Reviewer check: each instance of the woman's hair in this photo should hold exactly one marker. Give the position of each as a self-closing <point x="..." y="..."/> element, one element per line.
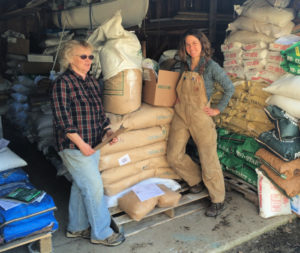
<point x="206" y="47"/>
<point x="67" y="52"/>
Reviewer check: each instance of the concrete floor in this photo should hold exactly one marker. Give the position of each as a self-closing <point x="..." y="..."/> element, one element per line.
<point x="240" y="221"/>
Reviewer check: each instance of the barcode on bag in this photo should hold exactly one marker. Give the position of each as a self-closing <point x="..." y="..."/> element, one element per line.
<point x="124" y="160"/>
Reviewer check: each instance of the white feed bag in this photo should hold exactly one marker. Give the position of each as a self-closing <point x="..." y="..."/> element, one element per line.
<point x="271" y="201"/>
<point x="290" y="105"/>
<point x="264" y="12"/>
<point x="10" y="160"/>
<point x="255" y="46"/>
<point x="248" y="37"/>
<point x="252" y="25"/>
<point x="287" y="86"/>
<point x="231" y="46"/>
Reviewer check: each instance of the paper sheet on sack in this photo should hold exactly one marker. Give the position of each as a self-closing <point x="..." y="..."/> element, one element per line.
<point x="144" y="192"/>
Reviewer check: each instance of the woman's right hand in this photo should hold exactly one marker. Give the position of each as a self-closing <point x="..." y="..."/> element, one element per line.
<point x="86" y="149"/>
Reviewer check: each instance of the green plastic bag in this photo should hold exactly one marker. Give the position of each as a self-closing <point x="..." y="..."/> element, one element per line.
<point x="292" y="54"/>
<point x="290" y="67"/>
<point x="237" y="167"/>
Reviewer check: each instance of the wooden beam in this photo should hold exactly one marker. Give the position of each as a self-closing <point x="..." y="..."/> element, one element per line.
<point x="212" y="19"/>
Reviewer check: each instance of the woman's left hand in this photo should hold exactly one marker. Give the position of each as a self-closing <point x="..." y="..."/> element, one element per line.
<point x="109" y="133"/>
<point x="211" y="111"/>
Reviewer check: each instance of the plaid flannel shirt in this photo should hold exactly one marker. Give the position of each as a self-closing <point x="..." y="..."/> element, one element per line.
<point x="77" y="108"/>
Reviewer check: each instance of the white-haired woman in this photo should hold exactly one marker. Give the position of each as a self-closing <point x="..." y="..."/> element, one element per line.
<point x="80" y="124"/>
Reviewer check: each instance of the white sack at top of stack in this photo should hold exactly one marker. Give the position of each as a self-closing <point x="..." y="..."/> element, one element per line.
<point x="119" y="58"/>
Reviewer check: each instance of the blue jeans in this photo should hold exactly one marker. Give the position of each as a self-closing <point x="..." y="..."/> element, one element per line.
<point x="86" y="206"/>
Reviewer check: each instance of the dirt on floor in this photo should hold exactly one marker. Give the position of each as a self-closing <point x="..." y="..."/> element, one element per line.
<point x="285" y="239"/>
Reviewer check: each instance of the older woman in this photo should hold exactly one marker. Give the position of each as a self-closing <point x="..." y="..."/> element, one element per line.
<point x="80" y="124"/>
<point x="193" y="117"/>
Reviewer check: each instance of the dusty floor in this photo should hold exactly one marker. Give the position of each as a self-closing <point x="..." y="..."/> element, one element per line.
<point x="42" y="173"/>
<point x="285" y="239"/>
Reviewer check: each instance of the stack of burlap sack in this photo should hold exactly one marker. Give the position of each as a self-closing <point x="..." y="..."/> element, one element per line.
<point x="140" y="152"/>
<point x="245" y="111"/>
<point x="251" y="51"/>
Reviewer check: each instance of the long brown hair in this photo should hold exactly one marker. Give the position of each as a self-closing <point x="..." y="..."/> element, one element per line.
<point x="206" y="47"/>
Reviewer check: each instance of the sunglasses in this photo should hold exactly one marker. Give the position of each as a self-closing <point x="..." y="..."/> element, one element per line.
<point x="84" y="56"/>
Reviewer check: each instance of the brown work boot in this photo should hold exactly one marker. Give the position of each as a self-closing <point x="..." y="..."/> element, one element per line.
<point x="197" y="188"/>
<point x="86" y="234"/>
<point x="114" y="240"/>
<point x="215" y="209"/>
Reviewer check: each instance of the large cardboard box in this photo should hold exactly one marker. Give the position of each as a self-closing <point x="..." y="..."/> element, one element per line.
<point x="160" y="92"/>
<point x="17" y="46"/>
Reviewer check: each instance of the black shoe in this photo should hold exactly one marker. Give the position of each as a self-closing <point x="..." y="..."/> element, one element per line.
<point x="114" y="240"/>
<point x="197" y="188"/>
<point x="215" y="209"/>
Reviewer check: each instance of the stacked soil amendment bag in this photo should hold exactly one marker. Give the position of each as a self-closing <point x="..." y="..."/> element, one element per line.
<point x="236" y="155"/>
<point x="140" y="152"/>
<point x="247" y="50"/>
<point x="280" y="158"/>
<point x="20" y="216"/>
<point x="245" y="111"/>
<point x="119" y="59"/>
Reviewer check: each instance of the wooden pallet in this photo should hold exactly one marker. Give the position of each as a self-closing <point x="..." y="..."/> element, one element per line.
<point x="249" y="191"/>
<point x="45" y="241"/>
<point x="188" y="204"/>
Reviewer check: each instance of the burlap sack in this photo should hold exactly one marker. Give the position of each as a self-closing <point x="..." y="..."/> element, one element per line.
<point x="145" y="116"/>
<point x="258" y="115"/>
<point x="114" y="188"/>
<point x="118" y="173"/>
<point x="291" y="187"/>
<point x="136" y="209"/>
<point x="132" y="155"/>
<point x="137" y="138"/>
<point x="256" y="128"/>
<point x="288" y="169"/>
<point x="169" y="199"/>
<point x="123" y="92"/>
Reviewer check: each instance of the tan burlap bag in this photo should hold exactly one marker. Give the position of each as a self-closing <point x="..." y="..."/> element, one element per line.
<point x="169" y="199"/>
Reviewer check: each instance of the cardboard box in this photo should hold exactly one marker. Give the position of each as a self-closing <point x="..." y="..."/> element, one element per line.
<point x="17" y="46"/>
<point x="161" y="92"/>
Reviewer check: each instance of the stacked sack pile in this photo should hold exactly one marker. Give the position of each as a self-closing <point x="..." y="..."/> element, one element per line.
<point x="237" y="155"/>
<point x="27" y="217"/>
<point x="248" y="50"/>
<point x="280" y="158"/>
<point x="254" y="59"/>
<point x="245" y="111"/>
<point x="140" y="153"/>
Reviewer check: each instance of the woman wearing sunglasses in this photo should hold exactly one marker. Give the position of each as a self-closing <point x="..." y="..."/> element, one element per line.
<point x="80" y="124"/>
